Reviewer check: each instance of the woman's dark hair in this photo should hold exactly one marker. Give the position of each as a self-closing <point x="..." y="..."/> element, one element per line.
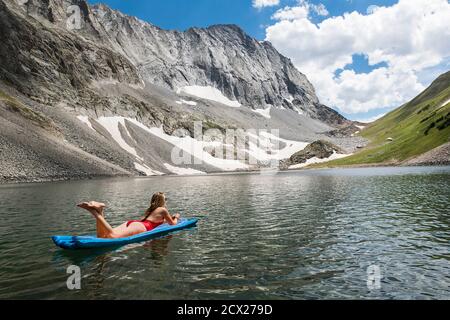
<point x="158" y="201"/>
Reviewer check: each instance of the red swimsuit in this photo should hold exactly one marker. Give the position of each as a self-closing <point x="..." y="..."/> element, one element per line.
<point x="149" y="225"/>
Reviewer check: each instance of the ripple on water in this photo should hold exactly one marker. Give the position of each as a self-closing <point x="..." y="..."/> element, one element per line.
<point x="296" y="235"/>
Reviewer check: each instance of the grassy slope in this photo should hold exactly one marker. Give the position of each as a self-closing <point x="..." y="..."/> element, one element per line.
<point x="407" y="126"/>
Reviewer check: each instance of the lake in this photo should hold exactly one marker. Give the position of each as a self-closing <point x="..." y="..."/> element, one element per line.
<point x="316" y="234"/>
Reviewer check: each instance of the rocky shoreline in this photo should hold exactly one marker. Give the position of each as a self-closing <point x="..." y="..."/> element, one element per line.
<point x="25" y="180"/>
<point x="439" y="156"/>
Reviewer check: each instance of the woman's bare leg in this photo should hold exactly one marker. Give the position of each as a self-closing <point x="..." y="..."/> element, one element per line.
<point x="101" y="229"/>
<point x="104" y="229"/>
<point x="124" y="231"/>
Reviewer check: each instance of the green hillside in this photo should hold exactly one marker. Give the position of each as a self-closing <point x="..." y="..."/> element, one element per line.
<point x="416" y="127"/>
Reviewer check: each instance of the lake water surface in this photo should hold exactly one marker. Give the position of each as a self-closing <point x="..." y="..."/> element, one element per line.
<point x="294" y="235"/>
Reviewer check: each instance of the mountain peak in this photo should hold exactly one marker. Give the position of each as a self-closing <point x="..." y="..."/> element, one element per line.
<point x="233" y="27"/>
<point x="221" y="56"/>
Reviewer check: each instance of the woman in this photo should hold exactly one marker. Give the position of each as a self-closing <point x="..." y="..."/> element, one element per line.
<point x="155" y="216"/>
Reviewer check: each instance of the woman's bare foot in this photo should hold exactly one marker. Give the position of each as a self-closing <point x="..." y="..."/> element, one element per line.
<point x="93" y="207"/>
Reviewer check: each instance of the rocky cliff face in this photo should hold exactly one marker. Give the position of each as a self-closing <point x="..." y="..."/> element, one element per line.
<point x="221" y="56"/>
<point x="45" y="62"/>
<point x="107" y="87"/>
<point x="127" y="49"/>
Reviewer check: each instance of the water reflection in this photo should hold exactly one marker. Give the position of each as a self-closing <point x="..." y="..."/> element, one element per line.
<point x="295" y="235"/>
<point x="156" y="249"/>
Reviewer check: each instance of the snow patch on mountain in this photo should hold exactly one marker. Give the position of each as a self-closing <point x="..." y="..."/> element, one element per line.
<point x="111" y="124"/>
<point x="147" y="170"/>
<point x="190" y="103"/>
<point x="208" y="93"/>
<point x="85" y="120"/>
<point x="263" y="146"/>
<point x="183" y="171"/>
<point x="263" y="112"/>
<point x="194" y="147"/>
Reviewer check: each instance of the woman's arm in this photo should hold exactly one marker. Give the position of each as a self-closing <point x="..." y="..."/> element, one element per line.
<point x="172" y="220"/>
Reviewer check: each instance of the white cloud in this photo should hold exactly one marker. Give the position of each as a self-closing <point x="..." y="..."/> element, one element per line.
<point x="265" y="3"/>
<point x="301" y="11"/>
<point x="371" y="9"/>
<point x="355" y="93"/>
<point x="289" y="13"/>
<point x="409" y="37"/>
<point x="320" y="9"/>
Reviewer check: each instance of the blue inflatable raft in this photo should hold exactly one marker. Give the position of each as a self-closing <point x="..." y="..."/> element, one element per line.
<point x="92" y="242"/>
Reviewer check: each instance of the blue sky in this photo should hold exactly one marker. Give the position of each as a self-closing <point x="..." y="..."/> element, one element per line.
<point x="183" y="14"/>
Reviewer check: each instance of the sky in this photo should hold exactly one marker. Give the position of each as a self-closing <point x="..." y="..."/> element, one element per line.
<point x="364" y="57"/>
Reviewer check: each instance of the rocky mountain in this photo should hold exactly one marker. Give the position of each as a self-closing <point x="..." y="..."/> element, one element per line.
<point x="222" y="56"/>
<point x="116" y="91"/>
<point x="317" y="150"/>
